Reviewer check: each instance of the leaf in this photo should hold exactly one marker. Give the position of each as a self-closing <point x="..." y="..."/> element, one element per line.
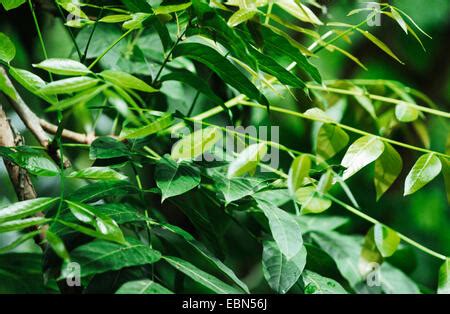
<point x="34" y="161"/>
<point x="387" y="169"/>
<point x="18" y="241"/>
<point x="365" y="102"/>
<point x="222" y="67"/>
<point x="386" y="240"/>
<point x="370" y="258"/>
<point x="26" y="208"/>
<point x="395" y="281"/>
<point x="81" y="98"/>
<point x="317" y="284"/>
<point x="102" y="223"/>
<point x="397" y="17"/>
<point x="175" y="178"/>
<point x="241" y="16"/>
<point x="144" y="286"/>
<point x="30" y="81"/>
<point x="446" y="174"/>
<point x="97" y="173"/>
<point x="22" y="224"/>
<point x="444" y="278"/>
<point x="300" y="11"/>
<point x="160" y="124"/>
<point x="96" y="191"/>
<point x="285" y="230"/>
<point x="312" y="202"/>
<point x="379" y="43"/>
<point x="298" y="171"/>
<point x="63" y="67"/>
<point x="126" y="81"/>
<point x="57" y="245"/>
<point x="12" y="4"/>
<point x="196" y="143"/>
<point x="7" y="48"/>
<point x="280" y="273"/>
<point x="247" y="160"/>
<point x="362" y="152"/>
<point x="200" y="276"/>
<point x="107" y="147"/>
<point x="101" y="256"/>
<point x="405" y="113"/>
<point x="168" y="9"/>
<point x="116" y="18"/>
<point x="426" y="168"/>
<point x="70" y="85"/>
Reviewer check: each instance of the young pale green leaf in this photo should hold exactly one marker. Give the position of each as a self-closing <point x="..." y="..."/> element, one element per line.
<point x="198" y="275"/>
<point x="444" y="278"/>
<point x="331" y="139"/>
<point x="426" y="168"/>
<point x="399" y="19"/>
<point x="370" y="256"/>
<point x="285" y="230"/>
<point x="63" y="67"/>
<point x="364" y="101"/>
<point x="15" y="225"/>
<point x="222" y="67"/>
<point x="154" y="127"/>
<point x="12" y="4"/>
<point x="325" y="182"/>
<point x="386" y="240"/>
<point x="174" y="178"/>
<point x="144" y="286"/>
<point x="298" y="172"/>
<point x="299" y="11"/>
<point x="280" y="273"/>
<point x="102" y="223"/>
<point x="70" y="85"/>
<point x="387" y="169"/>
<point x="317" y="284"/>
<point x="26" y="208"/>
<point x="102" y="256"/>
<point x="379" y="43"/>
<point x="311" y="200"/>
<point x="405" y="113"/>
<point x="195" y="144"/>
<point x="97" y="173"/>
<point x="116" y="18"/>
<point x="362" y="152"/>
<point x="73" y="7"/>
<point x="247" y="160"/>
<point x="34" y="161"/>
<point x="137" y="20"/>
<point x="168" y="9"/>
<point x="7" y="48"/>
<point x="127" y="81"/>
<point x="241" y="16"/>
<point x="57" y="245"/>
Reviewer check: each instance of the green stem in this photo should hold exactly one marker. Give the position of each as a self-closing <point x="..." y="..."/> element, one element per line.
<point x="109" y="48"/>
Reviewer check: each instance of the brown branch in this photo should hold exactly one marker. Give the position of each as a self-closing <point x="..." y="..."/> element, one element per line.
<point x="19" y="177"/>
<point x="67" y="134"/>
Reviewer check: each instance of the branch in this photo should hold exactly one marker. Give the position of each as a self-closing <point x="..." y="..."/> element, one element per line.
<point x="67" y="134"/>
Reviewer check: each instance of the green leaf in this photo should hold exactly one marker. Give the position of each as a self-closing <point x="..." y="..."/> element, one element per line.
<point x="34" y="161"/>
<point x="144" y="286"/>
<point x="63" y="67"/>
<point x="364" y="101"/>
<point x="370" y="258"/>
<point x="298" y="171"/>
<point x="222" y="67"/>
<point x="26" y="208"/>
<point x="446" y="173"/>
<point x="200" y="276"/>
<point x="379" y="43"/>
<point x="116" y="18"/>
<point x="12" y="4"/>
<point x="311" y="200"/>
<point x="444" y="278"/>
<point x="362" y="152"/>
<point x="317" y="284"/>
<point x="81" y="98"/>
<point x="70" y="85"/>
<point x="241" y="16"/>
<point x="299" y="11"/>
<point x="405" y="113"/>
<point x="386" y="240"/>
<point x="247" y="160"/>
<point x="426" y="168"/>
<point x="126" y="81"/>
<point x="285" y="230"/>
<point x="154" y="127"/>
<point x="168" y="9"/>
<point x="102" y="223"/>
<point x="96" y="191"/>
<point x="387" y="169"/>
<point x="97" y="173"/>
<point x="57" y="245"/>
<point x="22" y="224"/>
<point x="196" y="143"/>
<point x="107" y="147"/>
<point x="175" y="178"/>
<point x="7" y="48"/>
<point x="101" y="256"/>
<point x="399" y="19"/>
<point x="18" y="241"/>
<point x="281" y="273"/>
<point x="395" y="281"/>
<point x="30" y="81"/>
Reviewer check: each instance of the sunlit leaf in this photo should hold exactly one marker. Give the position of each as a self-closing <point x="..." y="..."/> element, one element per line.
<point x="426" y="168"/>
